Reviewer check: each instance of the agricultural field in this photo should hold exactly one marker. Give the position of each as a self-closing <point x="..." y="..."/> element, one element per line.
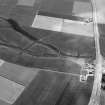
<point x="44" y="45"/>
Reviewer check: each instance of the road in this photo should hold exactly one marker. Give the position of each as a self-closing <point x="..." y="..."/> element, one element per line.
<point x="96" y="93"/>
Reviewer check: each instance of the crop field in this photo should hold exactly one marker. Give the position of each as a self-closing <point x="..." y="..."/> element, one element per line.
<point x="37" y="49"/>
